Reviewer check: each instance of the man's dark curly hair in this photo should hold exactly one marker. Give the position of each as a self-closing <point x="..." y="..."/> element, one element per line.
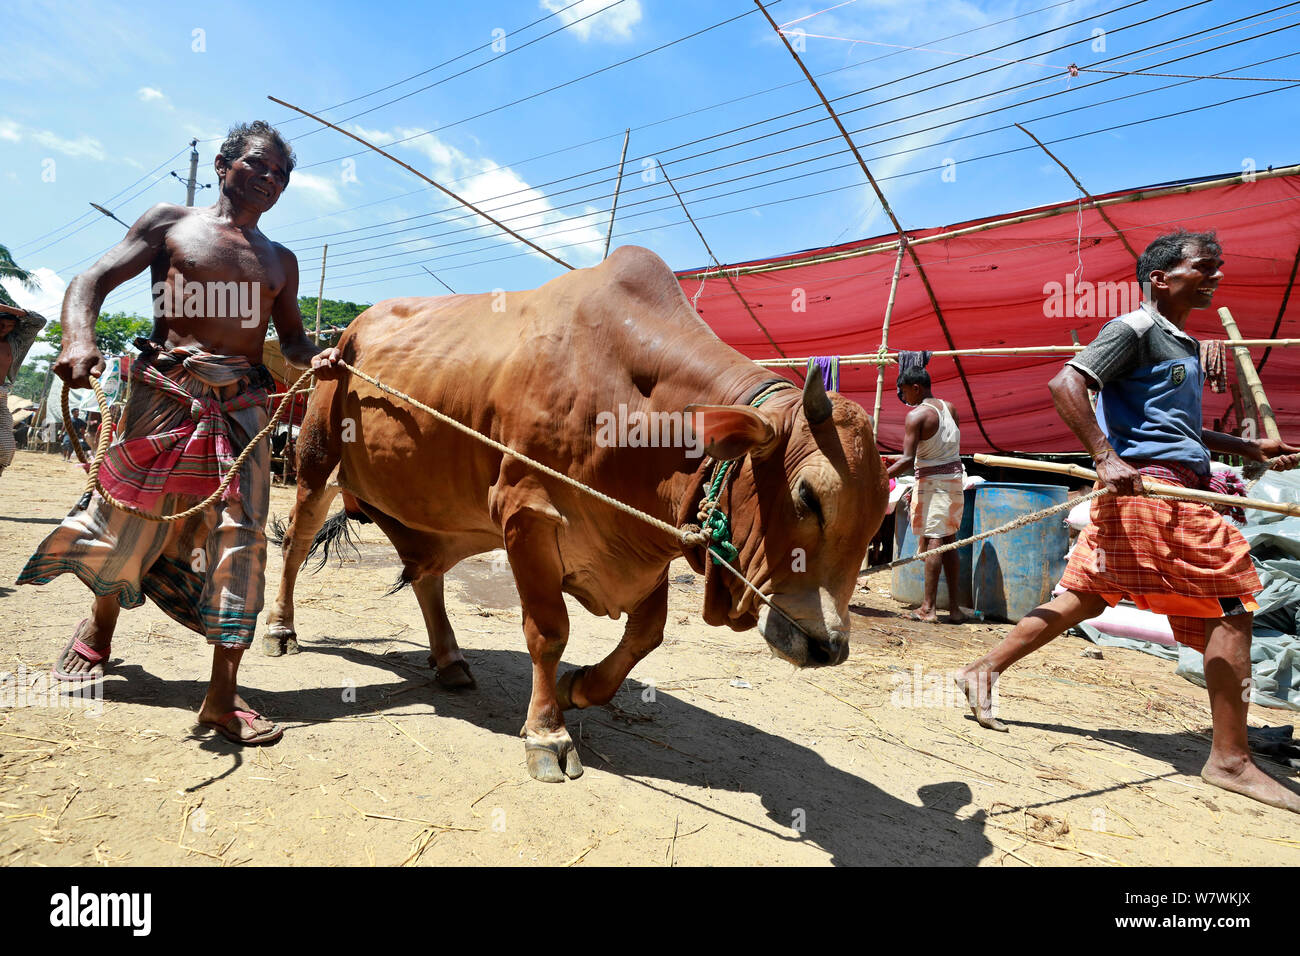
<point x="1168" y="250"/>
<point x="238" y="137"/>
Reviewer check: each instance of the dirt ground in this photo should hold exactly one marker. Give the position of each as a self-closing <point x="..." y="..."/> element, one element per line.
<point x="714" y="751"/>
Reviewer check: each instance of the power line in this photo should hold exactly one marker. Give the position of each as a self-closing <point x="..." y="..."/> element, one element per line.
<point x="105" y="203"/>
<point x="560" y="86"/>
<point x="822" y="119"/>
<point x="903" y="175"/>
<point x="588" y="200"/>
<point x="659" y="122"/>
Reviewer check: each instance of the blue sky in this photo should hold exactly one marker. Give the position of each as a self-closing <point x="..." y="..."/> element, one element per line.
<point x="97" y="95"/>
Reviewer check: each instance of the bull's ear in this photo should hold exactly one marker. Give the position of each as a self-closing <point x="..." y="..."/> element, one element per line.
<point x="731" y="431"/>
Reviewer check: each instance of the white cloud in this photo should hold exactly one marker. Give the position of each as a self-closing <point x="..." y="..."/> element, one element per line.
<point x="321" y="187"/>
<point x="86" y="146"/>
<point x="149" y="94"/>
<point x="478" y="179"/>
<point x="47" y="300"/>
<point x="613" y="25"/>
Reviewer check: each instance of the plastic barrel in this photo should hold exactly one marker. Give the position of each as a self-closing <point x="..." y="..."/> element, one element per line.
<point x="908" y="582"/>
<point x="1015" y="572"/>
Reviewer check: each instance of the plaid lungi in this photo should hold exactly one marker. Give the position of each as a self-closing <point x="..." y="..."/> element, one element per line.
<point x="207" y="572"/>
<point x="6" y="431"/>
<point x="1178" y="558"/>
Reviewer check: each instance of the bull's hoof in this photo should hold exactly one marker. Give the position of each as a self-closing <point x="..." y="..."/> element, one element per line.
<point x="564" y="687"/>
<point x="280" y="640"/>
<point x="553" y="758"/>
<point x="455" y="676"/>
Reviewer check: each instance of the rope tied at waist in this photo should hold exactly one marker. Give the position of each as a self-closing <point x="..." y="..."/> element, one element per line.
<point x="192" y="447"/>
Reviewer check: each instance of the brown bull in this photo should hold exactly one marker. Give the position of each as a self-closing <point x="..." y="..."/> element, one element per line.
<point x="549" y="375"/>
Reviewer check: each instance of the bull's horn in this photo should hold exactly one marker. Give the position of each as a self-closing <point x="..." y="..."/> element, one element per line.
<point x="816" y="406"/>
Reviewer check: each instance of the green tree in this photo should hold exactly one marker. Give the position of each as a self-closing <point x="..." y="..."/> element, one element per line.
<point x="11" y="270"/>
<point x="334" y="313"/>
<point x="113" y="333"/>
<point x="29" y="382"/>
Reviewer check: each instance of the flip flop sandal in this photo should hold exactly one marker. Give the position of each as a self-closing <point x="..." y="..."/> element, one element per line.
<point x="87" y="653"/>
<point x="247" y="716"/>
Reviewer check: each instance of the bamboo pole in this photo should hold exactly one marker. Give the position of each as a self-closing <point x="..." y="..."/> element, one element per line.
<point x="320" y="290"/>
<point x="890" y="358"/>
<point x="411" y="169"/>
<point x="1032" y="216"/>
<point x="1152" y="487"/>
<point x="1246" y="371"/>
<point x="731" y="282"/>
<point x="902" y="241"/>
<point x="1091" y="199"/>
<point x="618" y="185"/>
<point x="884" y="339"/>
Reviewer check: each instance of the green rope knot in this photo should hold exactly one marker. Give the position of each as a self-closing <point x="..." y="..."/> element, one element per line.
<point x="718" y="527"/>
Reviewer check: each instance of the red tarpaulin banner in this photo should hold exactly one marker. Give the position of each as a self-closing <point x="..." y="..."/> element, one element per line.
<point x="1022" y="284"/>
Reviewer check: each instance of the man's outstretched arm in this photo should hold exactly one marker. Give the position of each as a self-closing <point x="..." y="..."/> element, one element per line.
<point x="1070" y="393"/>
<point x="1285" y="456"/>
<point x="80" y="357"/>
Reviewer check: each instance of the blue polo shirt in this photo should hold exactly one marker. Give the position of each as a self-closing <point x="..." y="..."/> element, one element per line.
<point x="1150" y="377"/>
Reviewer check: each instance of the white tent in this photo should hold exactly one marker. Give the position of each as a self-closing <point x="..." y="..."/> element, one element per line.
<point x="83" y="399"/>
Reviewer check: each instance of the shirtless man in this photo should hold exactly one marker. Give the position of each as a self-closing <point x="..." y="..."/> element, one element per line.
<point x="931" y="446"/>
<point x="218" y="282"/>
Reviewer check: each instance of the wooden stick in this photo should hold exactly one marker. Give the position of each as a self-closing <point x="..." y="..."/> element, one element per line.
<point x="1091" y="199"/>
<point x="320" y="290"/>
<point x="1034" y="216"/>
<point x="468" y="205"/>
<point x="884" y="339"/>
<point x="1246" y="371"/>
<point x="618" y="185"/>
<point x="902" y="241"/>
<point x="730" y="281"/>
<point x="1152" y="487"/>
<point x="873" y="358"/>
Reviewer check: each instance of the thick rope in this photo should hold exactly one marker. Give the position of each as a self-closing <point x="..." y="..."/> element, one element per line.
<point x="105" y="436"/>
<point x="1001" y="529"/>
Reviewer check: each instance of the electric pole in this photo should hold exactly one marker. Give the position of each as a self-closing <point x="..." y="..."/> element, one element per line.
<point x="194" y="173"/>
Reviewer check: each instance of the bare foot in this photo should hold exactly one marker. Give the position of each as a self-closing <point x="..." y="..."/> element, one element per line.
<point x="926" y="617"/>
<point x="251" y="729"/>
<point x="978" y="688"/>
<point x="93" y="637"/>
<point x="1240" y="775"/>
<point x="958" y="618"/>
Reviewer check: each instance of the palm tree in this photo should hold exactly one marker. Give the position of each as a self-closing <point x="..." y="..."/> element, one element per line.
<point x="11" y="270"/>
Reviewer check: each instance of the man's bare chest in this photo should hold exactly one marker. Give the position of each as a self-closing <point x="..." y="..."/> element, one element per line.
<point x="203" y="253"/>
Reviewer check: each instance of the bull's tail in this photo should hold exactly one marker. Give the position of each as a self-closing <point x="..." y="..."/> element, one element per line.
<point x="335" y="535"/>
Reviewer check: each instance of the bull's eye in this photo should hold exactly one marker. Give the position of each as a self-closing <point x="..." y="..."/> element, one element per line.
<point x="808" y="498"/>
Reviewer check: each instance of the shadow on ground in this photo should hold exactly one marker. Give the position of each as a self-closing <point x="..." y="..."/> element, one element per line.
<point x="668" y="741"/>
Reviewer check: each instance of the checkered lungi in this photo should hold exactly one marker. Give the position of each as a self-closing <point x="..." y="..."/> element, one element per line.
<point x="1177" y="558"/>
<point x="189" y="415"/>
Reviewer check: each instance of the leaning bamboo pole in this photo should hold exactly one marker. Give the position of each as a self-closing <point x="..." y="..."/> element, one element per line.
<point x="1246" y="372"/>
<point x="1152" y="487"/>
<point x="884" y="340"/>
<point x="1034" y="216"/>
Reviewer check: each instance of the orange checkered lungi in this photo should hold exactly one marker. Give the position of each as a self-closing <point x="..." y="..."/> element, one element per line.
<point x="1177" y="558"/>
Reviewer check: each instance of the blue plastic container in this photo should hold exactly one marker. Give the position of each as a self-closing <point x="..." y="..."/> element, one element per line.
<point x="1015" y="572"/>
<point x="908" y="582"/>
